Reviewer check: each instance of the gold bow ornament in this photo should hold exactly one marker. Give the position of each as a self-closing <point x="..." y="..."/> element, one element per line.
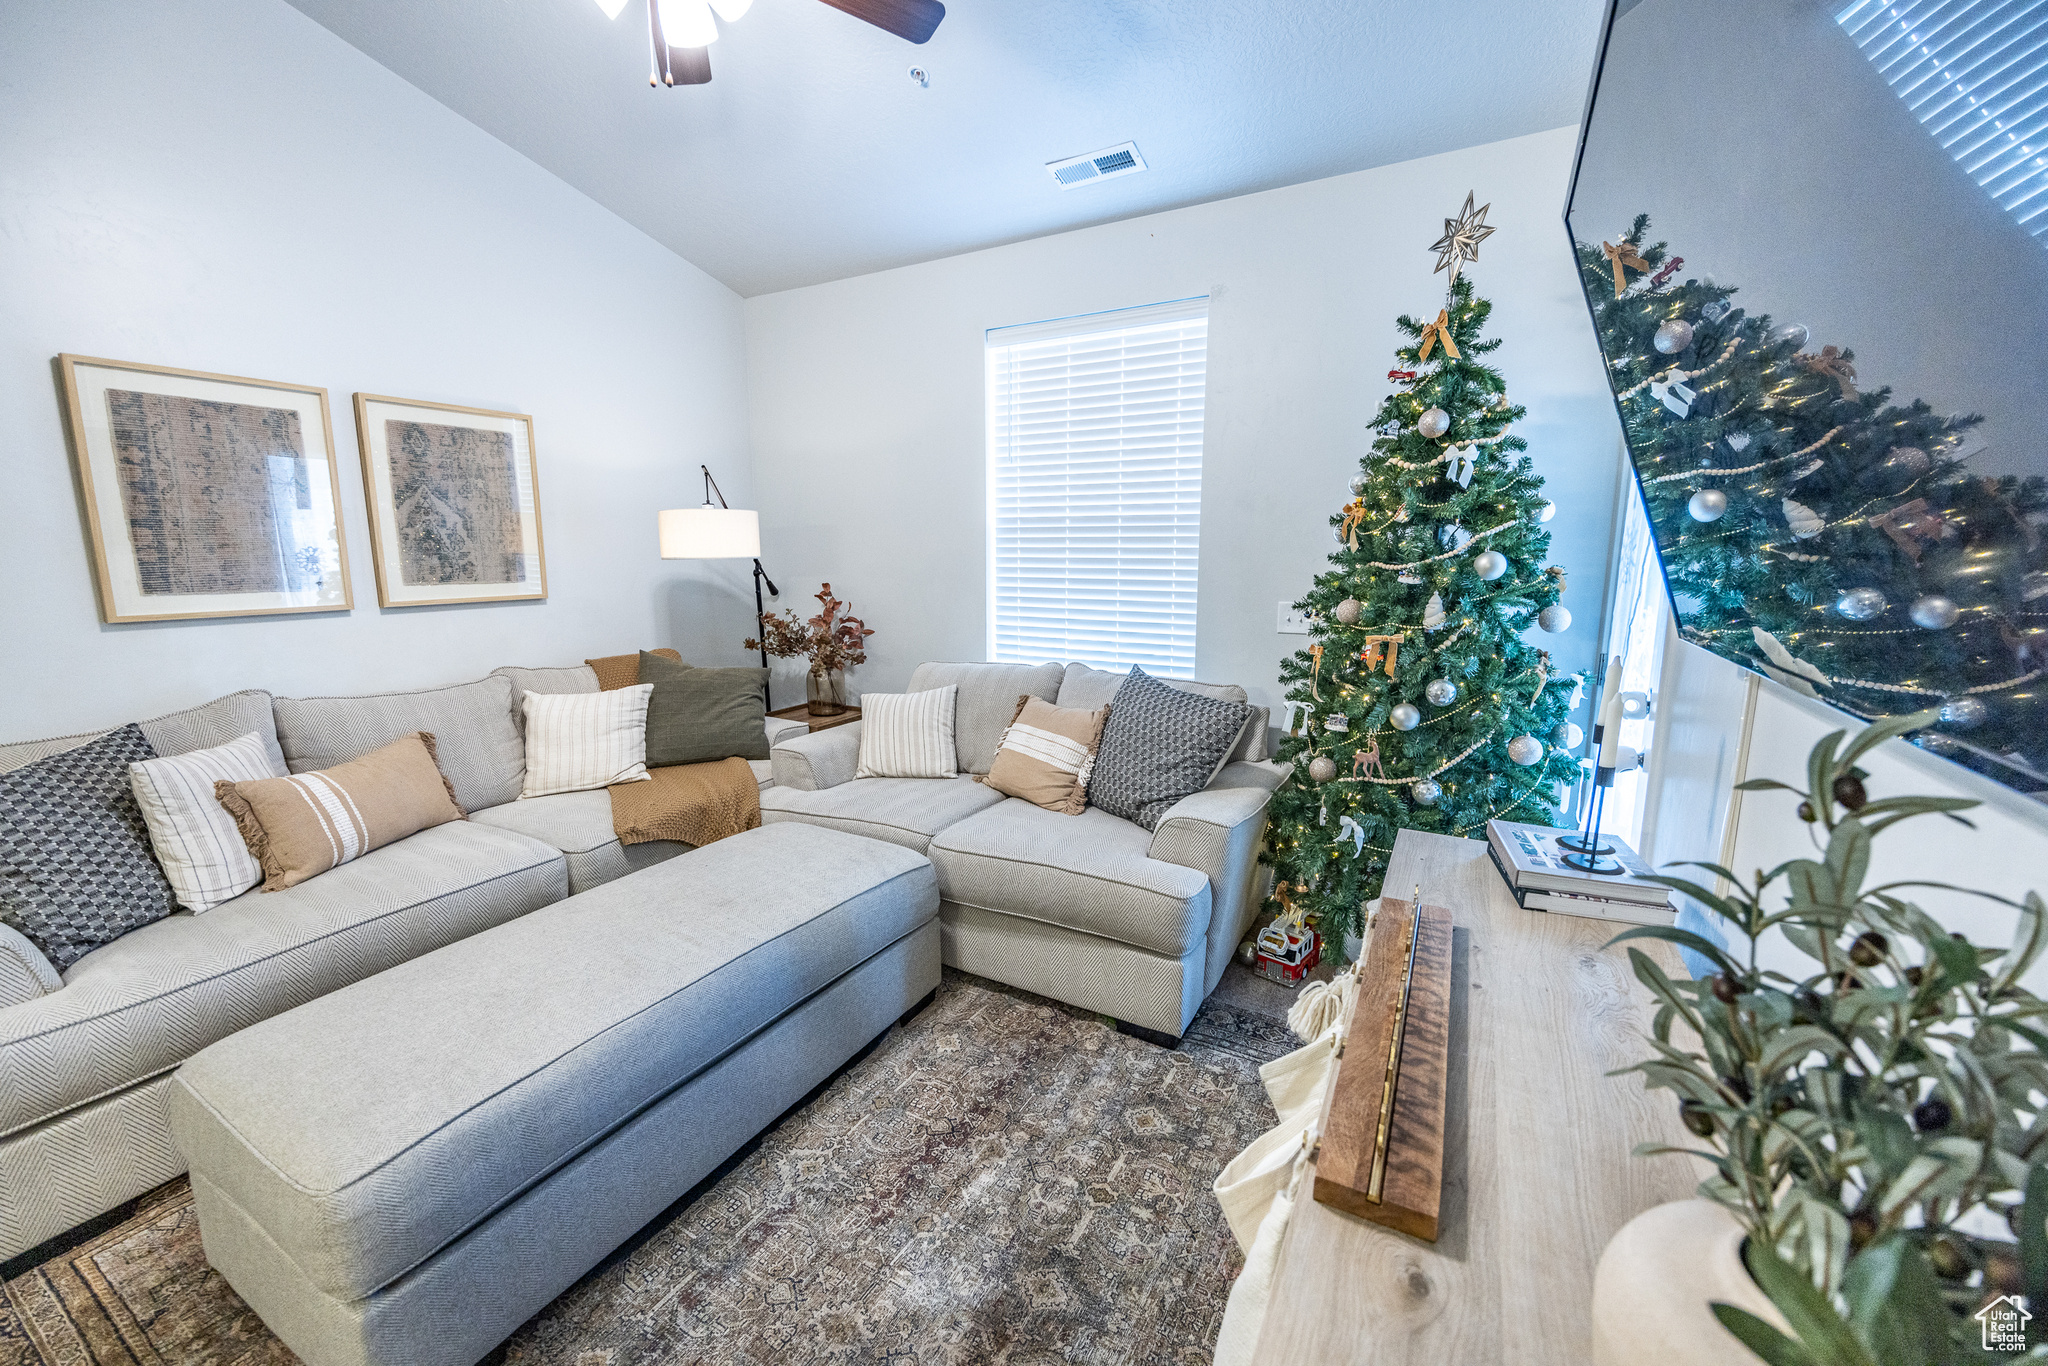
<point x="1912" y="526"/>
<point x="1378" y="650"/>
<point x="1433" y="333"/>
<point x="1834" y="364"/>
<point x="1623" y="255"/>
<point x="1315" y="673"/>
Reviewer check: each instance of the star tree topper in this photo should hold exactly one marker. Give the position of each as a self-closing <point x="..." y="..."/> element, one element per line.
<point x="1461" y="239"/>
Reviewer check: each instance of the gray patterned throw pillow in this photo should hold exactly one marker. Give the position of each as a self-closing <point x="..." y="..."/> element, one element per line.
<point x="76" y="870"/>
<point x="1160" y="744"/>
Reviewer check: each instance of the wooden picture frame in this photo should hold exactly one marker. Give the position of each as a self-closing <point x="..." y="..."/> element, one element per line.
<point x="455" y="508"/>
<point x="205" y="495"/>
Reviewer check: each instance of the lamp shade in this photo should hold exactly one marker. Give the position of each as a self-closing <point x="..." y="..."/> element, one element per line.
<point x="709" y="533"/>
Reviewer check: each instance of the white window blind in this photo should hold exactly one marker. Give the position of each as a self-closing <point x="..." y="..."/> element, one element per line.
<point x="1975" y="72"/>
<point x="1095" y="487"/>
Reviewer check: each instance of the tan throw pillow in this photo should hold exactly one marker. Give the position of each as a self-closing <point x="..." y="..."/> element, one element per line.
<point x="623" y="671"/>
<point x="1046" y="755"/>
<point x="299" y="827"/>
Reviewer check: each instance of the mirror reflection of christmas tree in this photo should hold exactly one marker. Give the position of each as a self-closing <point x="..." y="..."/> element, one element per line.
<point x="1417" y="704"/>
<point x="1817" y="531"/>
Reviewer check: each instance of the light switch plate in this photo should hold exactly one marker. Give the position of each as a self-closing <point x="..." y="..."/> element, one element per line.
<point x="1292" y="622"/>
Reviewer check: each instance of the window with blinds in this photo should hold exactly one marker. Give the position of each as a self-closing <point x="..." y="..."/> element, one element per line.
<point x="1095" y="488"/>
<point x="1975" y="72"/>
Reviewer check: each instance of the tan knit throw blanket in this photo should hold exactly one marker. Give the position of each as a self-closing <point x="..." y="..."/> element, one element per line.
<point x="695" y="803"/>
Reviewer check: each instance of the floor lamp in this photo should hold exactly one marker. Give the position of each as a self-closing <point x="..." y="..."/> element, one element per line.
<point x="719" y="533"/>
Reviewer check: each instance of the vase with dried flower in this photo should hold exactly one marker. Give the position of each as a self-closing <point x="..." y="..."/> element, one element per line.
<point x="832" y="641"/>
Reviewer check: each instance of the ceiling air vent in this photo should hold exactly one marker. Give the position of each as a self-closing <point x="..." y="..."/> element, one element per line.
<point x="1073" y="172"/>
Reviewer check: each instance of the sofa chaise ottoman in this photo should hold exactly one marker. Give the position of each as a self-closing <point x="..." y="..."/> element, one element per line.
<point x="403" y="1171"/>
<point x="86" y="1056"/>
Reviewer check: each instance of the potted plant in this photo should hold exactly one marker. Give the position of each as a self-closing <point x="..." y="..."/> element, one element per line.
<point x="833" y="640"/>
<point x="1876" y="1125"/>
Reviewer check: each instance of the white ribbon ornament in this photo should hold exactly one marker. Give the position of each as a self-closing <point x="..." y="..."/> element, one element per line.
<point x="1349" y="829"/>
<point x="1461" y="465"/>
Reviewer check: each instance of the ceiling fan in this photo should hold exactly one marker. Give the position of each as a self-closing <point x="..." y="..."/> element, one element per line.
<point x="680" y="32"/>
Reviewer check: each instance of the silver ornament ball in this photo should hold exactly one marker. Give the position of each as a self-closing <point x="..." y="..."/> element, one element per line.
<point x="1425" y="791"/>
<point x="1526" y="750"/>
<point x="1707" y="505"/>
<point x="1795" y="333"/>
<point x="1554" y="618"/>
<point x="1934" y="612"/>
<point x="1907" y="462"/>
<point x="1964" y="713"/>
<point x="1547" y="511"/>
<point x="1451" y="536"/>
<point x="1860" y="604"/>
<point x="1404" y="716"/>
<point x="1672" y="337"/>
<point x="1566" y="735"/>
<point x="1348" y="611"/>
<point x="1358" y="483"/>
<point x="1322" y="768"/>
<point x="1433" y="423"/>
<point x="1489" y="564"/>
<point x="1441" y="692"/>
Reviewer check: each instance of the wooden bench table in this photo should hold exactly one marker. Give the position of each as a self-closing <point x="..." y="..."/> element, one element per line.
<point x="1537" y="1167"/>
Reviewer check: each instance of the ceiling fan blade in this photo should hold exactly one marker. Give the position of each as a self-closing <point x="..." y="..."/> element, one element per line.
<point x="914" y="20"/>
<point x="689" y="65"/>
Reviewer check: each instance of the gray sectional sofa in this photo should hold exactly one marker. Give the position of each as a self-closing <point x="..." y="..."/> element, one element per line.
<point x="86" y="1058"/>
<point x="1087" y="909"/>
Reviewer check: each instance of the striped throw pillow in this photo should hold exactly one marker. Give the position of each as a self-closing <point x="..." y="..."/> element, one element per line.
<point x="301" y="826"/>
<point x="577" y="741"/>
<point x="1047" y="754"/>
<point x="907" y="734"/>
<point x="194" y="837"/>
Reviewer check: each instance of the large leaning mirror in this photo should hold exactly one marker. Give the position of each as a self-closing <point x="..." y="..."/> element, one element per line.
<point x="1814" y="241"/>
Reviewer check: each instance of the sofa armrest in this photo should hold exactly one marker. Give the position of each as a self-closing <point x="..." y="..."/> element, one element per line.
<point x="813" y="762"/>
<point x="24" y="973"/>
<point x="1217" y="832"/>
<point x="784" y="728"/>
<point x="1263" y="773"/>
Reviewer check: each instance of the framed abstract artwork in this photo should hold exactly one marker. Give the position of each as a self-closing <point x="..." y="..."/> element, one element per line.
<point x="205" y="495"/>
<point x="454" y="501"/>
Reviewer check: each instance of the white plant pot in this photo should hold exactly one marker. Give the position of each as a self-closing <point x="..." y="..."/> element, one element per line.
<point x="1656" y="1281"/>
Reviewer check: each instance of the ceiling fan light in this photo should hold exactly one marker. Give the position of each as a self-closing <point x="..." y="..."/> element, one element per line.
<point x="687" y="23"/>
<point x="611" y="8"/>
<point x="731" y="10"/>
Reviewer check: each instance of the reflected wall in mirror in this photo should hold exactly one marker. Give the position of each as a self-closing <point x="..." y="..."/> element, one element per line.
<point x="1811" y="261"/>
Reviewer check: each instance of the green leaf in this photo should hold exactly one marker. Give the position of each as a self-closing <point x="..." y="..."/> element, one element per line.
<point x="1650" y="975"/>
<point x="1958" y="960"/>
<point x="1895" y="1304"/>
<point x="1848" y="858"/>
<point x="2030" y="936"/>
<point x="1726" y="909"/>
<point x="2033" y="1248"/>
<point x="1888" y="1138"/>
<point x="1890" y="728"/>
<point x="1767" y="1342"/>
<point x="1766" y="785"/>
<point x="1698" y="943"/>
<point x="1820" y="776"/>
<point x="1794" y="1044"/>
<point x="1820" y="1329"/>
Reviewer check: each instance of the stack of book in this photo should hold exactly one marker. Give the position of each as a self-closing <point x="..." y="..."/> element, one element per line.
<point x="1529" y="858"/>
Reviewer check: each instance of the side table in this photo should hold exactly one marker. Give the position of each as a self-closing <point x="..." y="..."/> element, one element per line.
<point x="801" y="712"/>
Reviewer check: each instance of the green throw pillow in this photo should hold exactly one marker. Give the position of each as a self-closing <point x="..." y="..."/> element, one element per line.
<point x="697" y="715"/>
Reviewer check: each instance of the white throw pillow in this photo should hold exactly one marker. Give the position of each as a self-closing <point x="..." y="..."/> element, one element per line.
<point x="907" y="734"/>
<point x="194" y="837"/>
<point x="576" y="741"/>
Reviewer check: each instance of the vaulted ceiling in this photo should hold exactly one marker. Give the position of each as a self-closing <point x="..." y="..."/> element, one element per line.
<point x="814" y="155"/>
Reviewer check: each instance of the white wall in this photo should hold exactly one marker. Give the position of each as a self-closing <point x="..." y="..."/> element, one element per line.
<point x="1701" y="715"/>
<point x="868" y="419"/>
<point x="223" y="185"/>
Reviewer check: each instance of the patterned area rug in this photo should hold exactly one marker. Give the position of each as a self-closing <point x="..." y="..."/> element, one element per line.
<point x="1002" y="1180"/>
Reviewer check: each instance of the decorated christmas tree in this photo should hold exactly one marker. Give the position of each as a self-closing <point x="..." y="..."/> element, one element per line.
<point x="1818" y="531"/>
<point x="1417" y="703"/>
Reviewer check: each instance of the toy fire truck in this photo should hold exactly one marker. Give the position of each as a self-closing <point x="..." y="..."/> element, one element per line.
<point x="1287" y="950"/>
